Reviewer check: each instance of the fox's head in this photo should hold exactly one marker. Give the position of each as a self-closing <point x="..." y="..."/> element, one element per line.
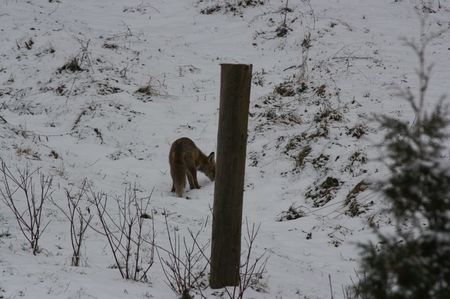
<point x="209" y="167"/>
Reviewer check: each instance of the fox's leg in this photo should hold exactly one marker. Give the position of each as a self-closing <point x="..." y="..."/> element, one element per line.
<point x="191" y="172"/>
<point x="178" y="179"/>
<point x="179" y="187"/>
<point x="192" y="177"/>
<point x="173" y="179"/>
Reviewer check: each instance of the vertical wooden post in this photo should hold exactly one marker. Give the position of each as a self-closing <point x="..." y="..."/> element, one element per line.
<point x="230" y="170"/>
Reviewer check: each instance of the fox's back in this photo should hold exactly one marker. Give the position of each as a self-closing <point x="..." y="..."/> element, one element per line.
<point x="181" y="150"/>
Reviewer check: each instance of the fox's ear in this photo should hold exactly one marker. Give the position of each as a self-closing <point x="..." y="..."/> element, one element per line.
<point x="211" y="157"/>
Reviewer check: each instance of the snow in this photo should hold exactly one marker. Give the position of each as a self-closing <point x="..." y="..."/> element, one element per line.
<point x="104" y="131"/>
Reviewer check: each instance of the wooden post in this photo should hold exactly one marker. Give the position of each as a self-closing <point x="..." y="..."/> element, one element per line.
<point x="230" y="170"/>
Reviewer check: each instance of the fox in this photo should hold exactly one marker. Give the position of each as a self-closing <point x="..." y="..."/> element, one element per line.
<point x="185" y="158"/>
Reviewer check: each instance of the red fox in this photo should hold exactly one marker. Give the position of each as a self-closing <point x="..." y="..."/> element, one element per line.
<point x="185" y="158"/>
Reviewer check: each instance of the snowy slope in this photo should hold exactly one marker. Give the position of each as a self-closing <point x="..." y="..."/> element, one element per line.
<point x="101" y="129"/>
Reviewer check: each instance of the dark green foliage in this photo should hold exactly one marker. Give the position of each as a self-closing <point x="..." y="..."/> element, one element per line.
<point x="413" y="262"/>
<point x="419" y="187"/>
<point x="414" y="268"/>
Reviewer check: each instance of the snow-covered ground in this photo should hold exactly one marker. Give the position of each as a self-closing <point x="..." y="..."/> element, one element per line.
<point x="315" y="88"/>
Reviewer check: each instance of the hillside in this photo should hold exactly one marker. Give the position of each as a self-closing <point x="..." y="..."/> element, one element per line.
<point x="98" y="90"/>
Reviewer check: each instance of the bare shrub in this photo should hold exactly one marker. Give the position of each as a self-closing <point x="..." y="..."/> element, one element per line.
<point x="354" y="208"/>
<point x="78" y="220"/>
<point x="292" y="213"/>
<point x="18" y="192"/>
<point x="152" y="88"/>
<point x="131" y="243"/>
<point x="252" y="269"/>
<point x="184" y="265"/>
<point x="323" y="192"/>
<point x="81" y="62"/>
<point x="72" y="65"/>
<point x="304" y="69"/>
<point x="147" y="90"/>
<point x="284" y="29"/>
